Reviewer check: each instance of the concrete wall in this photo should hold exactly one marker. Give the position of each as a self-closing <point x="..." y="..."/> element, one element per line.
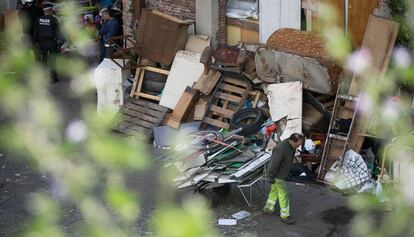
<point x="7" y="5"/>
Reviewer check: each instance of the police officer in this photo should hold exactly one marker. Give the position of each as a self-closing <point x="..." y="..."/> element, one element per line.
<point x="28" y="15"/>
<point x="46" y="34"/>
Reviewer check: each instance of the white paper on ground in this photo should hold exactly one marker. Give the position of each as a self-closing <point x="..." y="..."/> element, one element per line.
<point x="241" y="214"/>
<point x="285" y="99"/>
<point x="185" y="70"/>
<point x="227" y="221"/>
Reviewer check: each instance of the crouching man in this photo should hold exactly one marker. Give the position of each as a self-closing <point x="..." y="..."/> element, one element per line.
<point x="278" y="169"/>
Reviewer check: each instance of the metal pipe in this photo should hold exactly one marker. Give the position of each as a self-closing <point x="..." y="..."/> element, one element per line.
<point x="346" y="12"/>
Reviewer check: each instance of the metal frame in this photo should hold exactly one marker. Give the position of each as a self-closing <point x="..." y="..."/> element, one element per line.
<point x="249" y="186"/>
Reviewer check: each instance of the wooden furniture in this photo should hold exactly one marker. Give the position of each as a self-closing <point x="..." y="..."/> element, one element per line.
<point x="137" y="7"/>
<point x="228" y="98"/>
<point x="136" y="90"/>
<point x="140" y="117"/>
<point x="160" y="36"/>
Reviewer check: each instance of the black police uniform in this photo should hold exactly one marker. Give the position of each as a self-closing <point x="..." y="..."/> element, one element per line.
<point x="46" y="34"/>
<point x="29" y="15"/>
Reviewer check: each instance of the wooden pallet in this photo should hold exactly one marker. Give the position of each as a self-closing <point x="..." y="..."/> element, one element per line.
<point x="140" y="116"/>
<point x="228" y="98"/>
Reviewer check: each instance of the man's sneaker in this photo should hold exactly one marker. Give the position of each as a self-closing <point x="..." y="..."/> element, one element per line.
<point x="287" y="220"/>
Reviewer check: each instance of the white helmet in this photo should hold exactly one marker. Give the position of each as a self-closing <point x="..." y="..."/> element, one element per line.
<point x="26" y="1"/>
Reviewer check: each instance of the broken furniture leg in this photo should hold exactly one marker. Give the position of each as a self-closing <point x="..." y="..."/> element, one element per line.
<point x="206" y="59"/>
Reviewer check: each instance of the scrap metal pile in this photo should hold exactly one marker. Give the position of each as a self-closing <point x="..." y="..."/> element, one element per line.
<point x="221" y="111"/>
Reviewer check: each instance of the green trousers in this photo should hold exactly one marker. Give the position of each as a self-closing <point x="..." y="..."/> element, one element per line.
<point x="278" y="192"/>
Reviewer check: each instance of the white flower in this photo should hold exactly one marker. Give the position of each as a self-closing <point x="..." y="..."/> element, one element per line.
<point x="76" y="131"/>
<point x="365" y="104"/>
<point x="359" y="60"/>
<point x="402" y="57"/>
<point x="391" y="109"/>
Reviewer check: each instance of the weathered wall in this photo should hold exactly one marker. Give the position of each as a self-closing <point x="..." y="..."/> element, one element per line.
<point x="130" y="23"/>
<point x="221" y="33"/>
<point x="183" y="9"/>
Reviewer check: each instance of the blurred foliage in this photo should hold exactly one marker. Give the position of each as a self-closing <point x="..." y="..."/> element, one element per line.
<point x="399" y="11"/>
<point x="386" y="101"/>
<point x="86" y="163"/>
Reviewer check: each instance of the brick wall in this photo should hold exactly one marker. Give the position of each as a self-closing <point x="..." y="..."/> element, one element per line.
<point x="183" y="9"/>
<point x="222" y="31"/>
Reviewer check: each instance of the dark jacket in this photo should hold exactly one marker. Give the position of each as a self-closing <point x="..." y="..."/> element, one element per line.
<point x="281" y="161"/>
<point x="29" y="15"/>
<point x="46" y="28"/>
<point x="109" y="29"/>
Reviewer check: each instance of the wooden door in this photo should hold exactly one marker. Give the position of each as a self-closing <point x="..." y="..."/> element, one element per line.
<point x="358" y="14"/>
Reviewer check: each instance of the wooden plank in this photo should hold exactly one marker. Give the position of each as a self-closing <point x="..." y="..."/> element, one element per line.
<point x="158" y="70"/>
<point x="200" y="109"/>
<point x="143" y="110"/>
<point x="148" y="96"/>
<point x="145" y="131"/>
<point x="143" y="116"/>
<point x="379" y="39"/>
<point x="138" y="121"/>
<point x="148" y="104"/>
<point x="216" y="123"/>
<point x="234" y="89"/>
<point x="252" y="25"/>
<point x="222" y="111"/>
<point x="231" y="98"/>
<point x="184" y="105"/>
<point x="206" y="83"/>
<point x="235" y="81"/>
<point x="170" y="122"/>
<point x="140" y="81"/>
<point x="125" y="124"/>
<point x="135" y="83"/>
<point x="131" y="126"/>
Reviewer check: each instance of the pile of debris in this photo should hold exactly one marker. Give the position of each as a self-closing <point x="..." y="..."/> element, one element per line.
<point x="221" y="111"/>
